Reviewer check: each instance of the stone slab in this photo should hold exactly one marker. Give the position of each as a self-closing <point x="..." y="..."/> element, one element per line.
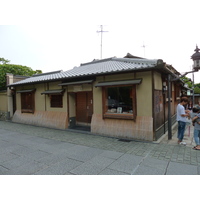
<point x="111" y="154"/>
<point x="126" y="163"/>
<point x="3" y="170"/>
<point x="82" y="153"/>
<point x="93" y="166"/>
<point x="112" y="172"/>
<point x="26" y="169"/>
<point x="181" y="169"/>
<point x="151" y="166"/>
<point x="53" y="158"/>
<point x="60" y="168"/>
<point x="7" y="156"/>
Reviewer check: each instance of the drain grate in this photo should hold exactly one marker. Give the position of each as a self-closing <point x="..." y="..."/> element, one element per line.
<point x="124" y="140"/>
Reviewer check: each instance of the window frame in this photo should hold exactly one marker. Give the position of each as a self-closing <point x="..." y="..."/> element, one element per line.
<point x="60" y="103"/>
<point x="119" y="115"/>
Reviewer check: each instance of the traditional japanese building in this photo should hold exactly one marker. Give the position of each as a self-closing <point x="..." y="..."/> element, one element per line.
<point x="118" y="97"/>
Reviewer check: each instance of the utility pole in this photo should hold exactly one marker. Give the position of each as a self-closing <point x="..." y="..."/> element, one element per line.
<point x="193" y="89"/>
<point x="101" y="31"/>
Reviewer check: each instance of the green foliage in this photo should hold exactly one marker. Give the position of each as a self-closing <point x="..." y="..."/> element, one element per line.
<point x="38" y="71"/>
<point x="187" y="81"/>
<point x="4" y="61"/>
<point x="197" y="85"/>
<point x="15" y="70"/>
<point x="196" y="90"/>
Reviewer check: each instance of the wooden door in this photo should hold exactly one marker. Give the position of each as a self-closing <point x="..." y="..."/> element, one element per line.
<point x="84" y="107"/>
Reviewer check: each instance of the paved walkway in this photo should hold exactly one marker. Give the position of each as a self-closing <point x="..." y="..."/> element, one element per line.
<point x="26" y="149"/>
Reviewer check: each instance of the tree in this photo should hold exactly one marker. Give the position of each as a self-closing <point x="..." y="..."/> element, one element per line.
<point x="196" y="90"/>
<point x="15" y="70"/>
<point x="187" y="81"/>
<point x="37" y="71"/>
<point x="197" y="85"/>
<point x="4" y="61"/>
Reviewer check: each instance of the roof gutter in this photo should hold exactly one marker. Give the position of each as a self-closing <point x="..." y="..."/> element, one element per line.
<point x="169" y="69"/>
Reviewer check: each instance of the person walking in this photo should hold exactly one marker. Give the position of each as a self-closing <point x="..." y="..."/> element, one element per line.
<point x="196" y="121"/>
<point x="189" y="106"/>
<point x="181" y="118"/>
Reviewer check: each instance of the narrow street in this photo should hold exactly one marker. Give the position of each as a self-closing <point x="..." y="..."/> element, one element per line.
<point x="31" y="150"/>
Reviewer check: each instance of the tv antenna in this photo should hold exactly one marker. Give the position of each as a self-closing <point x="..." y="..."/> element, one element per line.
<point x="101" y="31"/>
<point x="144" y="46"/>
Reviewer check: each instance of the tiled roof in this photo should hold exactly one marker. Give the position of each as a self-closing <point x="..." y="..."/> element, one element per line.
<point x="111" y="65"/>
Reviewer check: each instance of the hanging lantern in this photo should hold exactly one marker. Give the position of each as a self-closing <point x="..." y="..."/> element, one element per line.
<point x="196" y="58"/>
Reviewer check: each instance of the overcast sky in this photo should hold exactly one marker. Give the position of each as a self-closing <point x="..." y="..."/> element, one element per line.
<point x="54" y="35"/>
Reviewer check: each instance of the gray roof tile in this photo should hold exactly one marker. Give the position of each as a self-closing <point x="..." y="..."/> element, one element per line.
<point x="110" y="65"/>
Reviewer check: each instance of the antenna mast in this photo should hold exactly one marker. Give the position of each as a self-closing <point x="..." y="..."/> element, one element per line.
<point x="101" y="31"/>
<point x="144" y="46"/>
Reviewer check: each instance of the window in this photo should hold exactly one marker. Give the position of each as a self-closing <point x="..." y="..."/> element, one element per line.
<point x="56" y="97"/>
<point x="119" y="102"/>
<point x="56" y="101"/>
<point x="27" y="102"/>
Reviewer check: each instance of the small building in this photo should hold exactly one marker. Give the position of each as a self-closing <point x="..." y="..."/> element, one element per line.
<point x="117" y="97"/>
<point x="7" y="100"/>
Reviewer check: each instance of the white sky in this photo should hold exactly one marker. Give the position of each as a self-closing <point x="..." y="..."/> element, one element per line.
<point x="60" y="34"/>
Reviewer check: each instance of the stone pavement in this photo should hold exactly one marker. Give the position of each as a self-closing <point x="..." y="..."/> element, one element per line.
<point x="28" y="150"/>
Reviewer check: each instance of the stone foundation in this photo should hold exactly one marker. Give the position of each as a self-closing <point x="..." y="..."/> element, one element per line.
<point x="42" y="118"/>
<point x="142" y="129"/>
<point x="4" y="115"/>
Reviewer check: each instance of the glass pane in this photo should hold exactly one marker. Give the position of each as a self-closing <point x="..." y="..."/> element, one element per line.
<point x="119" y="100"/>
